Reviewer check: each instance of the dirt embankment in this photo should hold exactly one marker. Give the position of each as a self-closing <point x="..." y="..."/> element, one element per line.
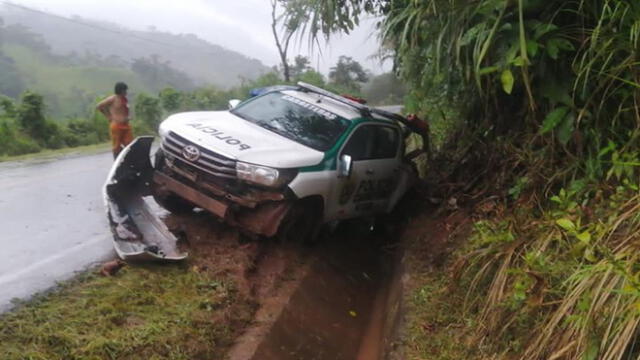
<point x="258" y="267"/>
<point x="339" y="299"/>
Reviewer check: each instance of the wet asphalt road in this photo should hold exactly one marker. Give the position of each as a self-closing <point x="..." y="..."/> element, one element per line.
<point x="52" y="222"/>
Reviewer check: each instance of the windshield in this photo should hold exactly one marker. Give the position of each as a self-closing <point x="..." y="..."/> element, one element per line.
<point x="294" y="119"/>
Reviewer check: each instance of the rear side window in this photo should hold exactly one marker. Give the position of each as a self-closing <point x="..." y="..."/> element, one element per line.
<point x="386" y="144"/>
<point x="372" y="142"/>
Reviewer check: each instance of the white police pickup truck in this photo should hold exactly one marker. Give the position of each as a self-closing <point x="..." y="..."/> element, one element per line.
<point x="281" y="163"/>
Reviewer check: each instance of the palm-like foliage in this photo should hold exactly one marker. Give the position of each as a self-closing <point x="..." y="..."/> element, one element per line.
<point x="561" y="67"/>
<point x="563" y="75"/>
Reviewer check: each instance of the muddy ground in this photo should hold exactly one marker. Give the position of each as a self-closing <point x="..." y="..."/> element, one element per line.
<point x="338" y="299"/>
<point x="322" y="301"/>
<point x="243" y="299"/>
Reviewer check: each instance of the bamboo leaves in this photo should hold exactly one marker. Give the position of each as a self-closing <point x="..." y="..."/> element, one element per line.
<point x="553" y="119"/>
<point x="555" y="45"/>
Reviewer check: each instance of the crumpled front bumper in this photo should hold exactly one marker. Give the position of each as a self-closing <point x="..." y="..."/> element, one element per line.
<point x="258" y="212"/>
<point x="138" y="232"/>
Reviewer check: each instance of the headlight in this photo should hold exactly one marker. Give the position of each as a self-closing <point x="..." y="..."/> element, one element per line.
<point x="264" y="175"/>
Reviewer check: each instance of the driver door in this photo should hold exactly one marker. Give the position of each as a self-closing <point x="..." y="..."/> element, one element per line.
<point x="374" y="152"/>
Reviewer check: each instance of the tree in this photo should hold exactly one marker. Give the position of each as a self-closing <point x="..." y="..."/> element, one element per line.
<point x="312" y="77"/>
<point x="347" y="74"/>
<point x="170" y="99"/>
<point x="323" y="18"/>
<point x="8" y="106"/>
<point x="30" y="115"/>
<point x="207" y="99"/>
<point x="300" y="65"/>
<point x="148" y="110"/>
<point x="290" y="24"/>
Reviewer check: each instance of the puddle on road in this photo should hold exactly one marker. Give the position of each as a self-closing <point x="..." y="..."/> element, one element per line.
<point x="344" y="308"/>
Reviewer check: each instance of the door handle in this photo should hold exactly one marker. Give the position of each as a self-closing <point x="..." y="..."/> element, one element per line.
<point x="369" y="171"/>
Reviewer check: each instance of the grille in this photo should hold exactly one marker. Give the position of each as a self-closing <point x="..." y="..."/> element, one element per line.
<point x="209" y="161"/>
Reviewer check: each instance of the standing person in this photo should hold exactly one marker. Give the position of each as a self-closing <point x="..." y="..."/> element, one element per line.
<point x="116" y="109"/>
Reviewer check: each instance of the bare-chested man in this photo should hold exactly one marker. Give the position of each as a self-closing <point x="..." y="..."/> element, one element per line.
<point x="116" y="109"/>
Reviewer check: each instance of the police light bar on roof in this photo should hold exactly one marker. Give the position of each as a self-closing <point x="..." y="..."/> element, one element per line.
<point x="364" y="110"/>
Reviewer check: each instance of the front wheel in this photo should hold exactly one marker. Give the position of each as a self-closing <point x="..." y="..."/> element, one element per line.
<point x="302" y="223"/>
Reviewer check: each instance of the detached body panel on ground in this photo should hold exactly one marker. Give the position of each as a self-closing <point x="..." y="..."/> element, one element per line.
<point x="138" y="233"/>
<point x="283" y="163"/>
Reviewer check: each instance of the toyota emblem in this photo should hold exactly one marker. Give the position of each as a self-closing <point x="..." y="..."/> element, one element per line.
<point x="191" y="153"/>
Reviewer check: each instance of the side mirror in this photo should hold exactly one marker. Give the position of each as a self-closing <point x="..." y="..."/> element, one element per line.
<point x="344" y="166"/>
<point x="233" y="103"/>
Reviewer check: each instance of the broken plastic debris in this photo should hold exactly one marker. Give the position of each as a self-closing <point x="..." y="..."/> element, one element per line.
<point x="124" y="233"/>
<point x="154" y="249"/>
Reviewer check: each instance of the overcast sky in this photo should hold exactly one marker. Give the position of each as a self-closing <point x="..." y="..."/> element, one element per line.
<point x="240" y="25"/>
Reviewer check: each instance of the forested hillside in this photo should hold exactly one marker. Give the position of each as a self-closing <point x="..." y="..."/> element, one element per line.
<point x="205" y="63"/>
<point x="71" y="64"/>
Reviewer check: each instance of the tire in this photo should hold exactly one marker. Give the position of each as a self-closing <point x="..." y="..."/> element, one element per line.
<point x="302" y="223"/>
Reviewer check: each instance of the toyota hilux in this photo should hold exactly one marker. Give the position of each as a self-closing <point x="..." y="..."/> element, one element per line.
<point x="282" y="163"/>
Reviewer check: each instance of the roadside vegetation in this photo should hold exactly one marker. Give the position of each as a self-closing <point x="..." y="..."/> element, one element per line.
<point x="539" y="148"/>
<point x="145" y="311"/>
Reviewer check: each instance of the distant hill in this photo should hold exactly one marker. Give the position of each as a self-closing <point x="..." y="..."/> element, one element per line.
<point x="71" y="63"/>
<point x="70" y="84"/>
<point x="204" y="62"/>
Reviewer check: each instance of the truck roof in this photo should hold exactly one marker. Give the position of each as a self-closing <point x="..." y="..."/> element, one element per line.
<point x="326" y="103"/>
<point x="339" y="105"/>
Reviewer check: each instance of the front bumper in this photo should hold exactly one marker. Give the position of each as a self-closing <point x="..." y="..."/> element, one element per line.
<point x="255" y="211"/>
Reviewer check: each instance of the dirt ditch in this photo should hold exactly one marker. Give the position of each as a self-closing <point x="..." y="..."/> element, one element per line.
<point x="339" y="308"/>
<point x="336" y="300"/>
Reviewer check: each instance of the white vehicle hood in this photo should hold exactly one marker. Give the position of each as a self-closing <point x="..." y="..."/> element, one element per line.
<point x="233" y="137"/>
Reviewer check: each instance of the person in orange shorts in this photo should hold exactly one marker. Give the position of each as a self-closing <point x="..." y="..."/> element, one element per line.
<point x="116" y="109"/>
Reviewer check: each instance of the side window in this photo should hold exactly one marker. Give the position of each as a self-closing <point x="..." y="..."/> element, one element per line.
<point x="386" y="143"/>
<point x="360" y="144"/>
<point x="372" y="142"/>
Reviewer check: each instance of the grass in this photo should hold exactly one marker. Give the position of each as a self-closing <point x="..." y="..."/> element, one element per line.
<point x="52" y="154"/>
<point x="558" y="281"/>
<point x="144" y="312"/>
<point x="436" y="326"/>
